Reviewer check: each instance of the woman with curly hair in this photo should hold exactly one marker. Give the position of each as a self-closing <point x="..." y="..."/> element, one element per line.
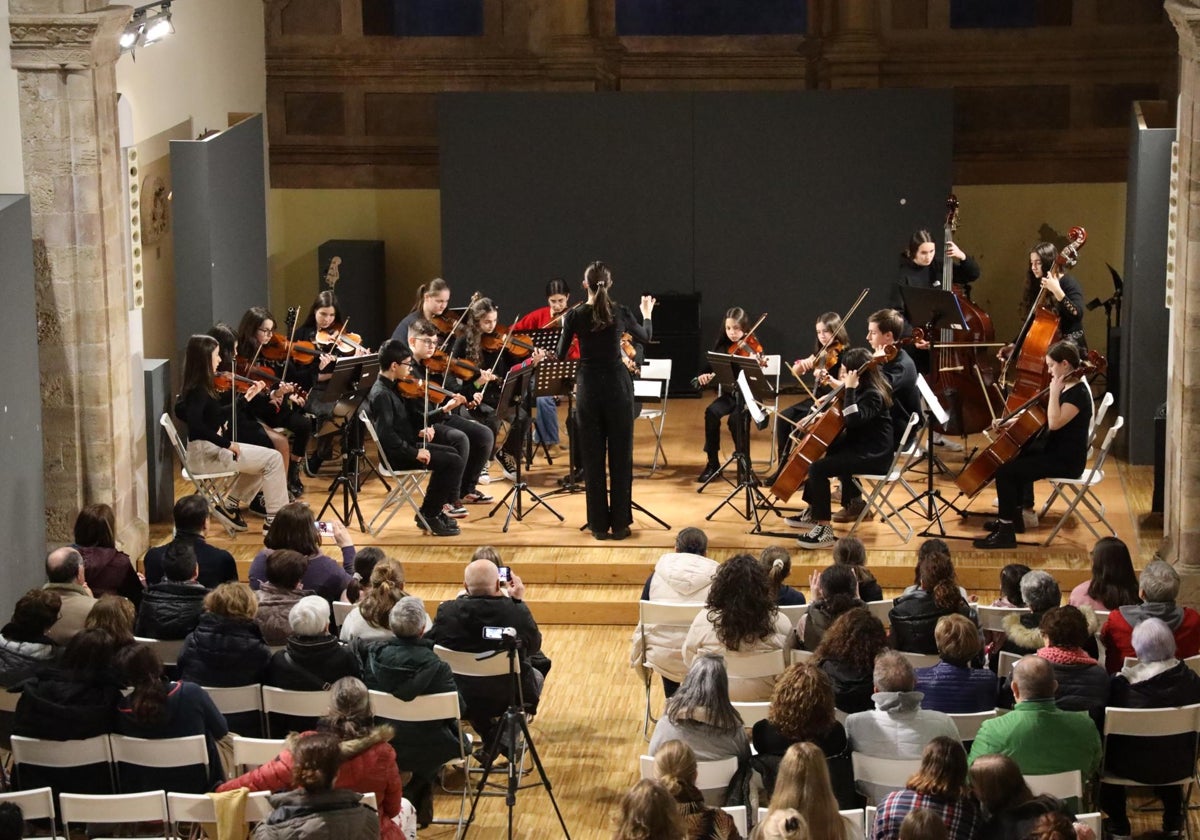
<point x="803" y="785"/>
<point x="675" y="764"/>
<point x="834" y="591"/>
<point x="939" y="785"/>
<point x="648" y="812"/>
<point x="847" y="656"/>
<point x="742" y="617"/>
<point x="1113" y="583"/>
<point x="701" y="715"/>
<point x="916" y="613"/>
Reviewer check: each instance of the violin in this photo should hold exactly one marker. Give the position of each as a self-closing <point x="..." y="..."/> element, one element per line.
<point x="441" y="362"/>
<point x="444" y="323"/>
<point x="251" y="372"/>
<point x="340" y="339"/>
<point x="518" y="344"/>
<point x="221" y="381"/>
<point x="827" y="359"/>
<point x="278" y="348"/>
<point x="416" y="388"/>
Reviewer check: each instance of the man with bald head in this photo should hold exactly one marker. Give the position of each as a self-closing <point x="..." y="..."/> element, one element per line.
<point x="64" y="571"/>
<point x="459" y="625"/>
<point x="1040" y="737"/>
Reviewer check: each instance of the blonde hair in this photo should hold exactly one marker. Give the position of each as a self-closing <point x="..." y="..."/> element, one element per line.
<point x="648" y="812"/>
<point x="803" y="783"/>
<point x="232" y="600"/>
<point x="675" y="764"/>
<point x="387" y="587"/>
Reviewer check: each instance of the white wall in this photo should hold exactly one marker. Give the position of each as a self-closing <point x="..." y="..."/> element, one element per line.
<point x="12" y="177"/>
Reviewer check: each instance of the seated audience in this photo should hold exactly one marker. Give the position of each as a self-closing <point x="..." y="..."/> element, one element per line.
<point x="1082" y="681"/>
<point x="279" y="593"/>
<point x="1113" y="583"/>
<point x="802" y="710"/>
<point x="953" y="686"/>
<point x="1010" y="596"/>
<point x="683" y="576"/>
<point x="314" y="658"/>
<point x="782" y="825"/>
<point x="741" y="618"/>
<point x="191" y="525"/>
<point x="315" y="808"/>
<point x="295" y="529"/>
<point x="834" y="591"/>
<point x="406" y="667"/>
<point x="923" y="824"/>
<point x="65" y="573"/>
<point x="1158" y="680"/>
<point x="802" y="786"/>
<point x="226" y="648"/>
<point x="1011" y="808"/>
<point x="24" y="645"/>
<point x="777" y="563"/>
<point x="897" y="727"/>
<point x="675" y="765"/>
<point x="1157" y="587"/>
<point x="74" y="698"/>
<point x="847" y="656"/>
<point x="1023" y="635"/>
<point x="364" y="563"/>
<point x="915" y="614"/>
<point x="701" y="715"/>
<point x="368" y="762"/>
<point x="648" y="812"/>
<point x="116" y="615"/>
<point x="108" y="570"/>
<point x="849" y="551"/>
<point x="171" y="609"/>
<point x="1040" y="737"/>
<point x="157" y="708"/>
<point x="369" y="618"/>
<point x="939" y="786"/>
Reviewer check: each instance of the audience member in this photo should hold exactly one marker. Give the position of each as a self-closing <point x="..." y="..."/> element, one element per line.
<point x="171" y="609"/>
<point x="1040" y="737"/>
<point x="682" y="576"/>
<point x="834" y="591"/>
<point x="939" y="786"/>
<point x="777" y="563"/>
<point x="226" y="648"/>
<point x="849" y="551"/>
<point x="1158" y="588"/>
<point x="295" y="529"/>
<point x="1054" y="825"/>
<point x="897" y="727"/>
<point x="781" y="825"/>
<point x="1158" y="680"/>
<point x="107" y="569"/>
<point x="1010" y="805"/>
<point x="279" y="593"/>
<point x="803" y="786"/>
<point x="314" y="658"/>
<point x="1082" y="681"/>
<point x="953" y="686"/>
<point x="75" y="698"/>
<point x="12" y="821"/>
<point x="1010" y="596"/>
<point x="741" y="618"/>
<point x="191" y="526"/>
<point x="675" y="765"/>
<point x="368" y="762"/>
<point x="847" y="656"/>
<point x="24" y="645"/>
<point x="923" y="824"/>
<point x="701" y="715"/>
<point x="1113" y="583"/>
<point x="1023" y="636"/>
<point x="117" y="616"/>
<point x="157" y="708"/>
<point x="648" y="812"/>
<point x="364" y="563"/>
<point x="369" y="618"/>
<point x="316" y="809"/>
<point x="65" y="573"/>
<point x="915" y="614"/>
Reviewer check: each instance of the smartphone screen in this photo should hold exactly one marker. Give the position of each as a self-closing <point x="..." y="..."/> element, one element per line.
<point x="325" y="529"/>
<point x="505" y="574"/>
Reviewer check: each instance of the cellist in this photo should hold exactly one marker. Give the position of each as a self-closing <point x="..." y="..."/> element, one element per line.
<point x="1044" y="273"/>
<point x="1060" y="452"/>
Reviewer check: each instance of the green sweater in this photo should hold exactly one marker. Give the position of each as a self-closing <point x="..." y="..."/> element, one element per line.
<point x="1042" y="739"/>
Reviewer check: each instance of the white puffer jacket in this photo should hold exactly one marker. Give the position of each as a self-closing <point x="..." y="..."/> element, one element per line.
<point x="680" y="579"/>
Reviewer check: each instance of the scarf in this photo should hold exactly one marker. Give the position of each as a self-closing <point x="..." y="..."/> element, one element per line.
<point x="1066" y="656"/>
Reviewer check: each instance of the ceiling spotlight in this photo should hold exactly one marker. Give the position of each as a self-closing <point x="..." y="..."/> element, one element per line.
<point x="133" y="32"/>
<point x="145" y="30"/>
<point x="159" y="26"/>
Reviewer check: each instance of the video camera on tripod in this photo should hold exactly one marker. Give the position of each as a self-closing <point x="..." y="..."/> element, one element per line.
<point x="506" y="636"/>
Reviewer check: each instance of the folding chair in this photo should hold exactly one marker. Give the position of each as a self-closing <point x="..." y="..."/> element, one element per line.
<point x="660" y="614"/>
<point x="882" y="610"/>
<point x="242" y="707"/>
<point x="793" y="612"/>
<point x="142" y="764"/>
<point x="1101" y="409"/>
<point x="738" y="812"/>
<point x="751" y="713"/>
<point x="1005" y="664"/>
<point x="167" y="649"/>
<point x="1080" y="490"/>
<point x="754" y="666"/>
<point x="255" y="752"/>
<point x="404" y="491"/>
<point x="303" y="705"/>
<point x="36" y="804"/>
<point x="199" y="808"/>
<point x="920" y="660"/>
<point x="59" y="764"/>
<point x="877" y="500"/>
<point x="341" y="609"/>
<point x="213" y="486"/>
<point x="710" y="775"/>
<point x="992" y="618"/>
<point x="968" y="723"/>
<point x="1063" y="785"/>
<point x="651" y="391"/>
<point x="486" y="664"/>
<point x="81" y="810"/>
<point x="889" y="773"/>
<point x="1153" y="723"/>
<point x="853" y="818"/>
<point x="799" y="656"/>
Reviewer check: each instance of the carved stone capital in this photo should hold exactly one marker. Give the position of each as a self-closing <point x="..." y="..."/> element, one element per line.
<point x="1185" y="15"/>
<point x="67" y="42"/>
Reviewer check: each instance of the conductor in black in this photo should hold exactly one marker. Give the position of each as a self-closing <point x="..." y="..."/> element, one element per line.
<point x="604" y="404"/>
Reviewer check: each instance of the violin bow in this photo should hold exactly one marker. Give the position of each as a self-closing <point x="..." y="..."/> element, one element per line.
<point x="741" y="343"/>
<point x="825" y="346"/>
<point x="425" y="412"/>
<point x="288" y="356"/>
<point x="474" y="297"/>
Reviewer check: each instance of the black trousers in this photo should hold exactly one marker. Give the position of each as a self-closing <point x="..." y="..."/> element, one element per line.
<point x="604" y="427"/>
<point x="473" y="441"/>
<point x="723" y="406"/>
<point x="1014" y="480"/>
<point x="294" y="420"/>
<point x="1112" y="800"/>
<point x="445" y="475"/>
<point x="843" y="462"/>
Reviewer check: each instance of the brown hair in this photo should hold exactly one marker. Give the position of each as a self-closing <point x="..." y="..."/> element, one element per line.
<point x="943" y="772"/>
<point x="833" y="322"/>
<point x="1052" y="825"/>
<point x="599" y="280"/>
<point x="197" y="365"/>
<point x="387" y="587"/>
<point x="739" y="603"/>
<point x="675" y="764"/>
<point x="918" y="239"/>
<point x="648" y="812"/>
<point x="802" y="703"/>
<point x="437" y="284"/>
<point x="114" y="614"/>
<point x="936" y="576"/>
<point x="923" y="824"/>
<point x="1064" y="627"/>
<point x="315" y="761"/>
<point x="888" y="321"/>
<point x="777" y="563"/>
<point x="478" y="310"/>
<point x="294" y="527"/>
<point x="95" y="526"/>
<point x="323" y="300"/>
<point x="856" y="637"/>
<point x="233" y="600"/>
<point x="34" y="614"/>
<point x="286" y="568"/>
<point x="998" y="783"/>
<point x="487" y="552"/>
<point x="957" y="638"/>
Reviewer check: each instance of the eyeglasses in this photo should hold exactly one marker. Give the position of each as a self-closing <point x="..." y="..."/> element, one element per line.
<point x="425" y="340"/>
<point x="265" y="330"/>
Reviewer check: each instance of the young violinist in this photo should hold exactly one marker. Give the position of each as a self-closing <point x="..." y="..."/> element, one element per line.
<point x="1065" y="296"/>
<point x="545" y="420"/>
<point x="432" y="299"/>
<point x="1062" y="451"/>
<point x="324" y="320"/>
<point x="409" y="443"/>
<point x="864" y="445"/>
<point x="473" y="440"/>
<point x="210" y="449"/>
<point x="737" y="323"/>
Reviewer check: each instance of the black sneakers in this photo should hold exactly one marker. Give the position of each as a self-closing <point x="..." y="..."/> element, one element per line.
<point x="440" y="525"/>
<point x="1003" y="537"/>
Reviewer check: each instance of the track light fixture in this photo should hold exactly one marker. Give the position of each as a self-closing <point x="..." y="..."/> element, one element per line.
<point x="146" y="29"/>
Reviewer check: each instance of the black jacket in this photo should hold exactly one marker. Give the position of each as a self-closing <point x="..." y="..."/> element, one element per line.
<point x="170" y="610"/>
<point x="224" y="652"/>
<point x="216" y="564"/>
<point x="62" y="705"/>
<point x="913" y="618"/>
<point x="852" y="688"/>
<point x="311" y="662"/>
<point x="1082" y="688"/>
<point x="1153" y="760"/>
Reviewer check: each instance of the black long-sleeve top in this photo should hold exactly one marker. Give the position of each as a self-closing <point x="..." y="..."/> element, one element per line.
<point x="204" y="415"/>
<point x="868" y="422"/>
<point x="1069" y="311"/>
<point x="600" y="347"/>
<point x="396" y="421"/>
<point x="964" y="273"/>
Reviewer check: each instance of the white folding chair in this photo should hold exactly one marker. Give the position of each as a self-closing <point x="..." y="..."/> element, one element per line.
<point x="710" y="775"/>
<point x="877" y="494"/>
<point x="35" y="804"/>
<point x="751" y="713"/>
<point x="738" y="812"/>
<point x="799" y="656"/>
<point x="302" y="704"/>
<point x="81" y="810"/>
<point x="255" y="752"/>
<point x="486" y="664"/>
<point x="200" y="808"/>
<point x="1063" y="785"/>
<point x="853" y="818"/>
<point x="1092" y="820"/>
<point x="772" y="368"/>
<point x="44" y="757"/>
<point x="891" y="773"/>
<point x="404" y="490"/>
<point x="1100" y="409"/>
<point x="1005" y="664"/>
<point x="654" y="614"/>
<point x="1076" y="490"/>
<point x="754" y="666"/>
<point x="167" y="649"/>
<point x="992" y="618"/>
<point x="793" y="612"/>
<point x="968" y="723"/>
<point x="651" y="391"/>
<point x="882" y="610"/>
<point x="1153" y="723"/>
<point x="238" y="699"/>
<point x="213" y="486"/>
<point x="341" y="609"/>
<point x="158" y="754"/>
<point x="921" y="660"/>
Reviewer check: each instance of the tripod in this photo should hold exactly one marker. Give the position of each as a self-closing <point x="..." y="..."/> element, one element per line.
<point x="513" y="730"/>
<point x="352" y="378"/>
<point x="512" y="400"/>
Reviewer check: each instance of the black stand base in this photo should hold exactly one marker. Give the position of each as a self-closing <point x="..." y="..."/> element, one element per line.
<point x="349" y="479"/>
<point x="514" y="499"/>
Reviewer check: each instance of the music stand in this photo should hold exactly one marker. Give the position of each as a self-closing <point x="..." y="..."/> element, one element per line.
<point x="556" y="378"/>
<point x="513" y="395"/>
<point x="931" y="409"/>
<point x="543" y="340"/>
<point x="351" y="381"/>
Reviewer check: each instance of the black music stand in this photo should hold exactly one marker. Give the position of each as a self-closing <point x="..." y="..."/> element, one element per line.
<point x="932" y="497"/>
<point x="543" y="340"/>
<point x="351" y="381"/>
<point x="556" y="378"/>
<point x="513" y="396"/>
<point x="933" y="309"/>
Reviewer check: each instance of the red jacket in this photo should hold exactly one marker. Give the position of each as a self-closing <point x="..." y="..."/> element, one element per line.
<point x="1117" y="632"/>
<point x="369" y="766"/>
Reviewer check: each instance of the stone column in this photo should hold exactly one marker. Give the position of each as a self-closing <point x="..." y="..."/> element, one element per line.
<point x="851" y="56"/>
<point x="65" y="52"/>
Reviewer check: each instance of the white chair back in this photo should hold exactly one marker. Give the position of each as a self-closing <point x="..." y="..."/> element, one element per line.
<point x="853" y="818"/>
<point x="799" y="656"/>
<point x="738" y="812"/>
<point x="992" y="618"/>
<point x="341" y="609"/>
<point x="200" y="808"/>
<point x="302" y="704"/>
<point x="968" y="723"/>
<point x="76" y="809"/>
<point x="793" y="612"/>
<point x="487" y="664"/>
<point x="35" y="804"/>
<point x="883" y="772"/>
<point x="1063" y="785"/>
<point x="921" y="660"/>
<point x="254" y="752"/>
<point x="230" y="700"/>
<point x="881" y="610"/>
<point x="1005" y="664"/>
<point x="751" y="713"/>
<point x="747" y="666"/>
<point x="710" y="775"/>
<point x="167" y="649"/>
<point x="443" y="706"/>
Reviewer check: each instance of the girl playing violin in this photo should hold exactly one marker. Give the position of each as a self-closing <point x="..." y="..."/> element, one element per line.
<point x="545" y="421"/>
<point x="211" y="450"/>
<point x="1061" y="452"/>
<point x="432" y="299"/>
<point x="737" y="322"/>
<point x="864" y="445"/>
<point x="325" y="319"/>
